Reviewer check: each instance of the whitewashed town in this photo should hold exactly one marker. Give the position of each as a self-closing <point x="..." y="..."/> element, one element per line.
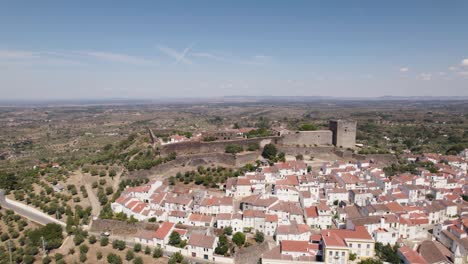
<point x="337" y="213"/>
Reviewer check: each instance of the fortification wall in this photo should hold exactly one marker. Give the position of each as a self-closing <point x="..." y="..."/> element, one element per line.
<point x="295" y="150"/>
<point x="196" y="147"/>
<point x="120" y="227"/>
<point x="309" y="138"/>
<point x="201" y="159"/>
<point x="246" y="157"/>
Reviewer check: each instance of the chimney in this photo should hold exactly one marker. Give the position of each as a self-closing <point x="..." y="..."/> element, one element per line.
<point x="328" y="233"/>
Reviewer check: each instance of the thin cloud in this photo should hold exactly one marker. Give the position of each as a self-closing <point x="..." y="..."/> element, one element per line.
<point x="18" y="55"/>
<point x="115" y="57"/>
<point x="464" y="63"/>
<point x="404" y="69"/>
<point x="177" y="56"/>
<point x="67" y="57"/>
<point x="253" y="60"/>
<point x="425" y="76"/>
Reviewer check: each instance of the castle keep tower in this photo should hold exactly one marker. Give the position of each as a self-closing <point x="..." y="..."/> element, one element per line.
<point x="344" y="133"/>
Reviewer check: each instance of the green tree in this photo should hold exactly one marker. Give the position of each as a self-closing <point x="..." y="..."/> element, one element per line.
<point x="238" y="238"/>
<point x="269" y="151"/>
<point x="84" y="249"/>
<point x="228" y="231"/>
<point x="52" y="234"/>
<point x="387" y="253"/>
<point x="222" y="247"/>
<point x="137" y="247"/>
<point x="92" y="239"/>
<point x="46" y="260"/>
<point x="130" y="255"/>
<point x="157" y="253"/>
<point x="138" y="260"/>
<point x="118" y="244"/>
<point x="234" y="148"/>
<point x="104" y="241"/>
<point x="259" y="237"/>
<point x="176" y="258"/>
<point x="114" y="259"/>
<point x="147" y="250"/>
<point x="174" y="238"/>
<point x="83" y="257"/>
<point x="308" y="127"/>
<point x="370" y="261"/>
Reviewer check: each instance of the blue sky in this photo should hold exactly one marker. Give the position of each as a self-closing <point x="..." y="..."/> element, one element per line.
<point x="152" y="49"/>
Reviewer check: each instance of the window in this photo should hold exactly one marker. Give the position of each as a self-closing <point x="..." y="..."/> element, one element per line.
<point x="368" y="245"/>
<point x="343" y="254"/>
<point x="359" y="245"/>
<point x="330" y="253"/>
<point x="350" y="245"/>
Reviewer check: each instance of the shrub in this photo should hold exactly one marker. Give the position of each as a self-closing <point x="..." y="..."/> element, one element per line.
<point x="253" y="147"/>
<point x="83" y="257"/>
<point x="308" y="127"/>
<point x="234" y="148"/>
<point x="259" y="237"/>
<point x="114" y="259"/>
<point x="52" y="233"/>
<point x="104" y="241"/>
<point x="138" y="260"/>
<point x="92" y="239"/>
<point x="28" y="259"/>
<point x="174" y="238"/>
<point x="228" y="231"/>
<point x="147" y="250"/>
<point x="137" y="247"/>
<point x="118" y="244"/>
<point x="176" y="258"/>
<point x="130" y="255"/>
<point x="158" y="252"/>
<point x="58" y="256"/>
<point x="238" y="238"/>
<point x="269" y="151"/>
<point x="46" y="260"/>
<point x="84" y="249"/>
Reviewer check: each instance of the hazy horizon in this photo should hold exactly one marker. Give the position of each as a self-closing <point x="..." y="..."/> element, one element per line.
<point x="52" y="50"/>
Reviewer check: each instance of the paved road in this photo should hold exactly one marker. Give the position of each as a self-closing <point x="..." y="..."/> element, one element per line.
<point x="28" y="212"/>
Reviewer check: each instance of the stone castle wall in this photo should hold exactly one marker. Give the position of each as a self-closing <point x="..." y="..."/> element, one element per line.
<point x="296" y="150"/>
<point x="200" y="159"/>
<point x="308" y="138"/>
<point x="196" y="147"/>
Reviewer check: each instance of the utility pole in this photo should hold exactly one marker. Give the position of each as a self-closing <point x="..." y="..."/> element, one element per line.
<point x="9" y="249"/>
<point x="43" y="247"/>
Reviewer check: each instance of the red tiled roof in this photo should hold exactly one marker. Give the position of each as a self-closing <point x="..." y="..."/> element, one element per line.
<point x="337" y="237"/>
<point x="412" y="256"/>
<point x="199" y="240"/>
<point x="163" y="230"/>
<point x="311" y="212"/>
<point x="201" y="218"/>
<point x="299" y="246"/>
